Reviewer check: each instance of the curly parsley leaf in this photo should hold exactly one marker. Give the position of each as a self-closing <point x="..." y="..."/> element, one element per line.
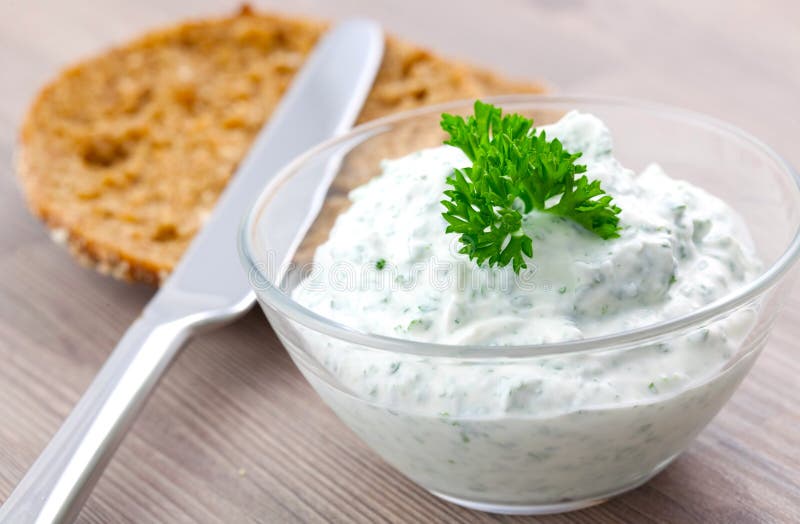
<point x="514" y="171"/>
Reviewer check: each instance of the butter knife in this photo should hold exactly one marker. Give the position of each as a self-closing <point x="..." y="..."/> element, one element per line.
<point x="207" y="288"/>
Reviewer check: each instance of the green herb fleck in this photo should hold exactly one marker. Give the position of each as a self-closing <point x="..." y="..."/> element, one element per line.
<point x="514" y="171"/>
<point x="380" y="264"/>
<point x="417" y="322"/>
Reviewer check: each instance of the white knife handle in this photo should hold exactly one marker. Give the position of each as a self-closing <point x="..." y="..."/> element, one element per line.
<point x="59" y="481"/>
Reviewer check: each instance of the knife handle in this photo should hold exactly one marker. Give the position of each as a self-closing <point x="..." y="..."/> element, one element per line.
<point x="59" y="481"/>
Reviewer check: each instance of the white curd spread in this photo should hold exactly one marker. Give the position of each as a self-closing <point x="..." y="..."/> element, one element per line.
<point x="536" y="430"/>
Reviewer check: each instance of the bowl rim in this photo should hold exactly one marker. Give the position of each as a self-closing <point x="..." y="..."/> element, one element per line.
<point x="286" y="306"/>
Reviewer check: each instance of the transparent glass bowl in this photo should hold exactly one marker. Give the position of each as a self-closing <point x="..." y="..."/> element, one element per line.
<point x="522" y="461"/>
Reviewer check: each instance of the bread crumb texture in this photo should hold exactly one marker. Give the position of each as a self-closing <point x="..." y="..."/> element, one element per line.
<point x="124" y="155"/>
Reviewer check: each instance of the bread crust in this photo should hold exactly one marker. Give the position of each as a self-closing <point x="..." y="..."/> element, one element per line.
<point x="123" y="155"/>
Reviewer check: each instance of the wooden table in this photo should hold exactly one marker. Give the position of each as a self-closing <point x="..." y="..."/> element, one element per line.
<point x="234" y="434"/>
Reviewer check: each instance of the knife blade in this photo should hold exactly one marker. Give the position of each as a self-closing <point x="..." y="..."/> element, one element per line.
<point x="207" y="288"/>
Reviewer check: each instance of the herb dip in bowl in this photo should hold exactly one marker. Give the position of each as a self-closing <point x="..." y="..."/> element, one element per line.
<point x="574" y="373"/>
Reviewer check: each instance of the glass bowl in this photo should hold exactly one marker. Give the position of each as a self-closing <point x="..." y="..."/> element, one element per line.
<point x="412" y="402"/>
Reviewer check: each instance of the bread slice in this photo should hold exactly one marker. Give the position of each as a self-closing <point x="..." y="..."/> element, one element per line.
<point x="124" y="155"/>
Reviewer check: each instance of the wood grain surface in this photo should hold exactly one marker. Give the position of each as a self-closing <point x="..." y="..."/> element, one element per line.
<point x="234" y="433"/>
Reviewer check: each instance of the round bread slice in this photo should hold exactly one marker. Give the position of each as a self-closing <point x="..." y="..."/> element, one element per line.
<point x="124" y="155"/>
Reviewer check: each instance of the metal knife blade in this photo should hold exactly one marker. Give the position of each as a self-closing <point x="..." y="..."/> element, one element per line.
<point x="206" y="289"/>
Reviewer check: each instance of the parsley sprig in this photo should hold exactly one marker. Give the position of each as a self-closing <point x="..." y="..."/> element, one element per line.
<point x="514" y="171"/>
